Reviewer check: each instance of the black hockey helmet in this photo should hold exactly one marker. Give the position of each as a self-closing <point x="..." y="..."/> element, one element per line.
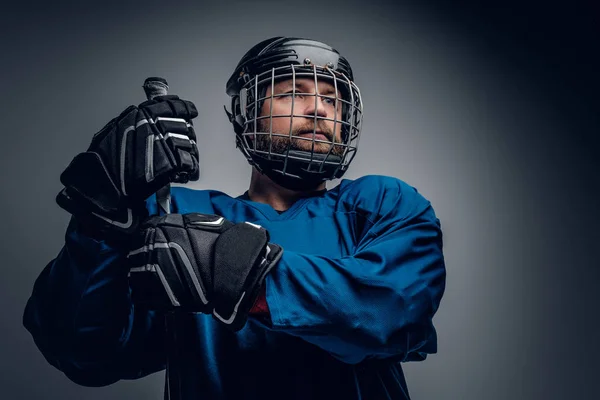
<point x="284" y="58"/>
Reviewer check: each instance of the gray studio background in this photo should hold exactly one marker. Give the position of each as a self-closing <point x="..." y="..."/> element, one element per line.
<point x="496" y="132"/>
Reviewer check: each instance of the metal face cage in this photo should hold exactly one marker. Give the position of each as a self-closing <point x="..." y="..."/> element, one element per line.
<point x="327" y="158"/>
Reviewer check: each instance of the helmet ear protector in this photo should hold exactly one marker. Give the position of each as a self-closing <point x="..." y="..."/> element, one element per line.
<point x="272" y="61"/>
<point x="239" y="103"/>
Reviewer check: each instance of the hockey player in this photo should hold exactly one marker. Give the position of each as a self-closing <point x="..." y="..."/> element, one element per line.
<point x="289" y="291"/>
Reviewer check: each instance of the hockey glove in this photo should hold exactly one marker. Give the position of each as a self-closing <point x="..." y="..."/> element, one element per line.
<point x="131" y="158"/>
<point x="200" y="263"/>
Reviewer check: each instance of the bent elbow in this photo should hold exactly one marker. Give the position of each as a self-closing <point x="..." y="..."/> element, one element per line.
<point x="411" y="342"/>
<point x="89" y="376"/>
<point x="405" y="333"/>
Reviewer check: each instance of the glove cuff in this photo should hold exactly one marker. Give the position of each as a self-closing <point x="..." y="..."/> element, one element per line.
<point x="115" y="227"/>
<point x="243" y="257"/>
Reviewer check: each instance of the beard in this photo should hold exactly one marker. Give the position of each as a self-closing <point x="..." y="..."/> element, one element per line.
<point x="280" y="144"/>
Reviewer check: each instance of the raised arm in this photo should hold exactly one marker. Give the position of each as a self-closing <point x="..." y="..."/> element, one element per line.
<point x="80" y="313"/>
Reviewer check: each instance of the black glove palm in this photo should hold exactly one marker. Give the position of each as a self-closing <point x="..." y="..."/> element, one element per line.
<point x="200" y="263"/>
<point x="132" y="157"/>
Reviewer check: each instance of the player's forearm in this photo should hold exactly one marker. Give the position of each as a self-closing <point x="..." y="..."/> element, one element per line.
<point x="377" y="303"/>
<point x="79" y="314"/>
<point x="351" y="317"/>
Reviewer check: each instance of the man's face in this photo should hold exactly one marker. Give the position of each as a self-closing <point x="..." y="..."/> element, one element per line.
<point x="301" y="120"/>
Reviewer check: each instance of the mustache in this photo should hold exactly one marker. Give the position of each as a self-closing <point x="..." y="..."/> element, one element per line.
<point x="320" y="128"/>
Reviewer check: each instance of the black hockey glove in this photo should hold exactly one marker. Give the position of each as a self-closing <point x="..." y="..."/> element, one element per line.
<point x="132" y="157"/>
<point x="200" y="263"/>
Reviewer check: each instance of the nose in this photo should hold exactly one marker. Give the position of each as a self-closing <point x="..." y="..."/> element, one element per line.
<point x="313" y="106"/>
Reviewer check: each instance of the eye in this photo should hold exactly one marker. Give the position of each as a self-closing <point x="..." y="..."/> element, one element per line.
<point x="328" y="99"/>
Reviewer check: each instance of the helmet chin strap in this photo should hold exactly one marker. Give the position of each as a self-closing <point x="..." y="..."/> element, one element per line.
<point x="300" y="179"/>
<point x="293" y="183"/>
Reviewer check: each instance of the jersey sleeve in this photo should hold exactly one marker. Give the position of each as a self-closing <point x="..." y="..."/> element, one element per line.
<point x="82" y="320"/>
<point x="377" y="302"/>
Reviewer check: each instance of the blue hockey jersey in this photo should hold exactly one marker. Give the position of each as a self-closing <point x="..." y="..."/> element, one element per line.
<point x="361" y="276"/>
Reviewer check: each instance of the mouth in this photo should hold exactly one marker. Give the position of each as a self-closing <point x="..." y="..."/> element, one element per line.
<point x="319" y="135"/>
